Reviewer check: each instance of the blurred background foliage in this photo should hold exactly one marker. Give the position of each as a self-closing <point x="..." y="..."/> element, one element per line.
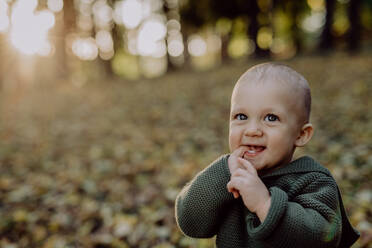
<point x="136" y="39"/>
<point x="107" y="108"/>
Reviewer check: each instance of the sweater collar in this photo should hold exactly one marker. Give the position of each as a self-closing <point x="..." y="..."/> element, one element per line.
<point x="301" y="165"/>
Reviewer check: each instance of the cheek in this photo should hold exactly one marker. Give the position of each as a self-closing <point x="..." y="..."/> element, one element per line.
<point x="282" y="139"/>
<point x="234" y="137"/>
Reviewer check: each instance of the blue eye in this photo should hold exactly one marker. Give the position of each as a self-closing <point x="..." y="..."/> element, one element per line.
<point x="271" y="118"/>
<point x="241" y="117"/>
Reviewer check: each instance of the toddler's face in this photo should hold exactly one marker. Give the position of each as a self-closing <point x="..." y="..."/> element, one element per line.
<point x="264" y="120"/>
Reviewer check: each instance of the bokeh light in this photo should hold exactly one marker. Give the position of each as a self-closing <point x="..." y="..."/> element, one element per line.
<point x="278" y="46"/>
<point x="153" y="66"/>
<point x="213" y="43"/>
<point x="205" y="50"/>
<point x="85" y="48"/>
<point x="85" y="22"/>
<point x="197" y="46"/>
<point x="105" y="44"/>
<point x="282" y="48"/>
<point x="264" y="37"/>
<point x="28" y="25"/>
<point x="131" y="13"/>
<point x="131" y="41"/>
<point x="175" y="48"/>
<point x="4" y="18"/>
<point x="314" y="22"/>
<point x="55" y="5"/>
<point x="45" y="19"/>
<point x="316" y="5"/>
<point x="240" y="45"/>
<point x="104" y="41"/>
<point x="174" y="38"/>
<point x="102" y="14"/>
<point x="341" y="23"/>
<point x="223" y="26"/>
<point x="173" y="25"/>
<point x="126" y="65"/>
<point x="151" y="38"/>
<point x="45" y="50"/>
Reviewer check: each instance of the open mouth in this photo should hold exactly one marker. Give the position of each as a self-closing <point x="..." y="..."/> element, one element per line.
<point x="253" y="150"/>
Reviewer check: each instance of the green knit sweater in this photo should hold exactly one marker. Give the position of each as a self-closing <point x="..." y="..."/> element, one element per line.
<point x="306" y="209"/>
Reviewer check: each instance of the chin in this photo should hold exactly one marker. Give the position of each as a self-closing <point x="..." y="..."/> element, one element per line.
<point x="258" y="166"/>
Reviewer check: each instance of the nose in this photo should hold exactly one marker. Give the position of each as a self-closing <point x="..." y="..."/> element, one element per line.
<point x="253" y="129"/>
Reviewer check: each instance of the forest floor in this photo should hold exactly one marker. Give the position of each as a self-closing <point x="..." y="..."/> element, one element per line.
<point x="100" y="165"/>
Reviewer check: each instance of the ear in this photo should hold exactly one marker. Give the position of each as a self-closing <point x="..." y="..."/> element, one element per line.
<point x="306" y="133"/>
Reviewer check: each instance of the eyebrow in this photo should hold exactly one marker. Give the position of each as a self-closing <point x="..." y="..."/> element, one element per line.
<point x="272" y="110"/>
<point x="237" y="110"/>
<point x="242" y="109"/>
<point x="278" y="112"/>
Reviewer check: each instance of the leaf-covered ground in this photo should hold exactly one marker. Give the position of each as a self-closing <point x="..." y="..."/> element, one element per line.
<point x="101" y="165"/>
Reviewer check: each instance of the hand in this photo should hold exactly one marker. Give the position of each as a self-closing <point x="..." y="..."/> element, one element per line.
<point x="234" y="165"/>
<point x="253" y="191"/>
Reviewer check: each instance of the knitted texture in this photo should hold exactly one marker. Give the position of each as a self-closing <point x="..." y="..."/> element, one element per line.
<point x="306" y="209"/>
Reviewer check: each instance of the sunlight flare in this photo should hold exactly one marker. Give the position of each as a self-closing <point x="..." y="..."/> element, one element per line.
<point x="28" y="25"/>
<point x="175" y="48"/>
<point x="4" y="18"/>
<point x="151" y="38"/>
<point x="55" y="5"/>
<point x="197" y="46"/>
<point x="85" y="48"/>
<point x="131" y="13"/>
<point x="314" y="22"/>
<point x="104" y="41"/>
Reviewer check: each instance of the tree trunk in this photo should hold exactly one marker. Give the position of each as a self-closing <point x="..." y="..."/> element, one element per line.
<point x="294" y="10"/>
<point x="326" y="40"/>
<point x="253" y="12"/>
<point x="2" y="71"/>
<point x="67" y="24"/>
<point x="355" y="27"/>
<point x="225" y="39"/>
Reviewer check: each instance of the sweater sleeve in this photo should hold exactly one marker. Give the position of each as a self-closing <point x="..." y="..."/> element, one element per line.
<point x="201" y="203"/>
<point x="311" y="219"/>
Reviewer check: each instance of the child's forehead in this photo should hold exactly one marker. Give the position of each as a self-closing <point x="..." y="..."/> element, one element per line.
<point x="267" y="85"/>
<point x="263" y="94"/>
<point x="273" y="76"/>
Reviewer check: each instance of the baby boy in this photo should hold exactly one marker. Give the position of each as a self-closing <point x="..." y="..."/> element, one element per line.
<point x="259" y="196"/>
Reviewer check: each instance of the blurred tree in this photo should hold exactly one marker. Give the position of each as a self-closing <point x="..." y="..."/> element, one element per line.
<point x="2" y="39"/>
<point x="224" y="29"/>
<point x="224" y="11"/>
<point x="65" y="25"/>
<point x="293" y="9"/>
<point x="111" y="27"/>
<point x="253" y="11"/>
<point x="195" y="14"/>
<point x="118" y="43"/>
<point x="169" y="10"/>
<point x="354" y="34"/>
<point x="326" y="39"/>
<point x="11" y="76"/>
